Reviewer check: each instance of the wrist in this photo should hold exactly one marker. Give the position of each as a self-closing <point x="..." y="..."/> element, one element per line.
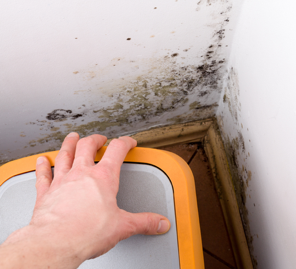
<point x="38" y="247"/>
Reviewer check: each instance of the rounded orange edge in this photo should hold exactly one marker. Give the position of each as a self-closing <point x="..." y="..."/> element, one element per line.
<point x="187" y="219"/>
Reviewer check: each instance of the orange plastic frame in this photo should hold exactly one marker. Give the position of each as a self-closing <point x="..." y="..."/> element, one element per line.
<point x="187" y="220"/>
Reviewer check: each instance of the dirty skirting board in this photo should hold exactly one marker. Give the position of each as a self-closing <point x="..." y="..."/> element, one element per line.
<point x="206" y="131"/>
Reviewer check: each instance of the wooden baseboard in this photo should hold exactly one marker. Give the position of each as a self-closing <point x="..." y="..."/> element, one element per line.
<point x="214" y="149"/>
<point x="207" y="132"/>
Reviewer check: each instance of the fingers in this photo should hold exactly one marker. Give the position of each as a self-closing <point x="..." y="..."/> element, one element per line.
<point x="144" y="223"/>
<point x="64" y="160"/>
<point x="44" y="177"/>
<point x="87" y="148"/>
<point x="116" y="153"/>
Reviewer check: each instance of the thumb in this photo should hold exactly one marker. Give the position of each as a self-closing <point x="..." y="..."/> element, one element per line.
<point x="145" y="223"/>
<point x="44" y="177"/>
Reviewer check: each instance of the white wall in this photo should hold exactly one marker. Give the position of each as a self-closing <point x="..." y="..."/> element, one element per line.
<point x="257" y="116"/>
<point x="68" y="66"/>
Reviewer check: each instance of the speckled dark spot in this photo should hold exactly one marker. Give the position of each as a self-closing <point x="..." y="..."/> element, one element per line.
<point x="76" y="116"/>
<point x="62" y="114"/>
<point x="203" y="93"/>
<point x="175" y="54"/>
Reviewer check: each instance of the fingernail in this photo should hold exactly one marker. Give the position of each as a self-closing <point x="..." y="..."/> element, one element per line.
<point x="73" y="134"/>
<point x="40" y="160"/>
<point x="163" y="226"/>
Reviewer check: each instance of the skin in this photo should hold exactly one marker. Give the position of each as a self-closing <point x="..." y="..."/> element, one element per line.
<point x="76" y="216"/>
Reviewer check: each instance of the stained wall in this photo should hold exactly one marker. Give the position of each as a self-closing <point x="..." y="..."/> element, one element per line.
<point x="110" y="67"/>
<point x="257" y="118"/>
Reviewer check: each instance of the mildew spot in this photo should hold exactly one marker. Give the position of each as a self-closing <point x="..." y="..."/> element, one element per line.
<point x="174" y="91"/>
<point x="235" y="149"/>
<point x="62" y="114"/>
<point x="231" y="94"/>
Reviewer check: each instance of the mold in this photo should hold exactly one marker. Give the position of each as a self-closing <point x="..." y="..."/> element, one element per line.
<point x="224" y="98"/>
<point x="231" y="94"/>
<point x="220" y="34"/>
<point x="241" y="142"/>
<point x="62" y="114"/>
<point x="170" y="90"/>
<point x="241" y="178"/>
<point x="195" y="105"/>
<point x="203" y="93"/>
<point x="235" y="149"/>
<point x="144" y="99"/>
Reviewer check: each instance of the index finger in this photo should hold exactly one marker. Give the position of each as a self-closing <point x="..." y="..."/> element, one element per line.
<point x="116" y="153"/>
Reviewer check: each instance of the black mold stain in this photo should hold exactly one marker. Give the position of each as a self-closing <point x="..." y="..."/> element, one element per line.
<point x="153" y="95"/>
<point x="232" y="94"/>
<point x="204" y="107"/>
<point x="236" y="152"/>
<point x="224" y="98"/>
<point x="203" y="93"/>
<point x="76" y="116"/>
<point x="62" y="114"/>
<point x="241" y="142"/>
<point x="240" y="178"/>
<point x="220" y="34"/>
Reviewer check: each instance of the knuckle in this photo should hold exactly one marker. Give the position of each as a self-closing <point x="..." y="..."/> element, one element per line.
<point x="130" y="228"/>
<point x="41" y="179"/>
<point x="89" y="140"/>
<point x="151" y="226"/>
<point x="119" y="144"/>
<point x="63" y="154"/>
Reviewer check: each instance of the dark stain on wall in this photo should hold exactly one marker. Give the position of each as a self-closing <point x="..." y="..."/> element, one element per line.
<point x="62" y="114"/>
<point x="191" y="89"/>
<point x="235" y="149"/>
<point x="241" y="178"/>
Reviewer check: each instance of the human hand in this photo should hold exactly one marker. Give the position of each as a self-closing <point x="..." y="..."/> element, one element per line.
<point x="77" y="210"/>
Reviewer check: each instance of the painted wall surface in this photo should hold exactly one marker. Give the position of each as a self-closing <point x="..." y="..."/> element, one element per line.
<point x="113" y="67"/>
<point x="257" y="118"/>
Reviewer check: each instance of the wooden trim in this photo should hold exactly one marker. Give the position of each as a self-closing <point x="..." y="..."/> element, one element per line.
<point x="174" y="134"/>
<point x="214" y="148"/>
<point x="205" y="131"/>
